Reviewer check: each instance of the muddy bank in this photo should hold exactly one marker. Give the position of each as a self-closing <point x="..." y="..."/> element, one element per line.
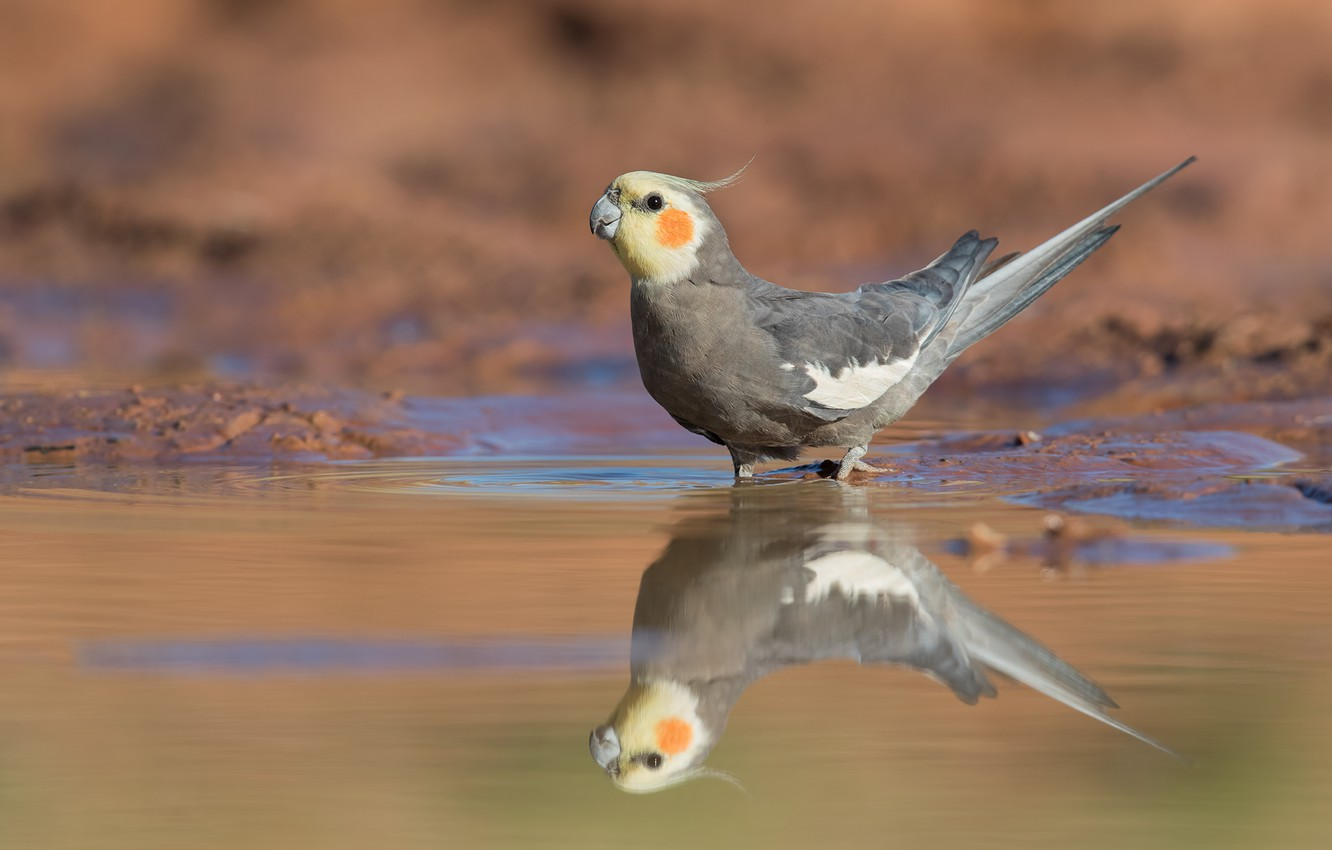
<point x="223" y="420"/>
<point x="211" y="422"/>
<point x="229" y="422"/>
<point x="1252" y="466"/>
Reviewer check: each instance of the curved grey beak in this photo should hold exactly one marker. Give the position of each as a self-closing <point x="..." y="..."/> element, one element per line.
<point x="605" y="747"/>
<point x="605" y="218"/>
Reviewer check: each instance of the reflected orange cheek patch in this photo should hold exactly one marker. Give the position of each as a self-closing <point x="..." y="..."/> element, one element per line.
<point x="674" y="228"/>
<point x="673" y="736"/>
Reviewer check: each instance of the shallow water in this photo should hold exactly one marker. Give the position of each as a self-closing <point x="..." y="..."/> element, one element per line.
<point x="412" y="654"/>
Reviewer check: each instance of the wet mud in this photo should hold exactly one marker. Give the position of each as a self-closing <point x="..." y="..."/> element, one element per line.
<point x="1258" y="466"/>
<point x="1193" y="467"/>
<point x="208" y="423"/>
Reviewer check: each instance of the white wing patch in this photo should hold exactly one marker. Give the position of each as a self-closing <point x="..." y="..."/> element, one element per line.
<point x="856" y="385"/>
<point x="857" y="575"/>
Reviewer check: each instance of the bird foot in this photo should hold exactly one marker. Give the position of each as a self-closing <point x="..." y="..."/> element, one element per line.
<point x="844" y="469"/>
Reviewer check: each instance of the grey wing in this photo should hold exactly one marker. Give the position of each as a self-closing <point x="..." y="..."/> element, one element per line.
<point x="841" y="353"/>
<point x="938" y="288"/>
<point x="879" y="608"/>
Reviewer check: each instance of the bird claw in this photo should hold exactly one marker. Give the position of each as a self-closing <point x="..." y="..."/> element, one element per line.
<point x="844" y="470"/>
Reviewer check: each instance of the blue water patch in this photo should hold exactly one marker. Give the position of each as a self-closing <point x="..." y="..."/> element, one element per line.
<point x="593" y="477"/>
<point x="323" y="655"/>
<point x="1250" y="503"/>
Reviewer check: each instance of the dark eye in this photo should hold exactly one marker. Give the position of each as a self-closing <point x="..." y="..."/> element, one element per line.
<point x="653" y="761"/>
<point x="655" y="202"/>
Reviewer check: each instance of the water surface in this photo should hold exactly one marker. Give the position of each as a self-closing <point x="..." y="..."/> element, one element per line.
<point x="412" y="654"/>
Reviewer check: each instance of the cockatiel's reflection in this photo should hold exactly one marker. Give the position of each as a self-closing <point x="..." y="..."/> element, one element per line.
<point x="771" y="582"/>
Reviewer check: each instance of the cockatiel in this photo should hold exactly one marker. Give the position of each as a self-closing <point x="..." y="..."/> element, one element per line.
<point x="743" y="593"/>
<point x="765" y="370"/>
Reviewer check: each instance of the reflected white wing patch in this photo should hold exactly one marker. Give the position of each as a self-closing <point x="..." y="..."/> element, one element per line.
<point x="853" y="386"/>
<point x="857" y="575"/>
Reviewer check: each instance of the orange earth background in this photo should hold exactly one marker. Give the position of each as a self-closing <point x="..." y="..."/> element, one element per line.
<point x="393" y="196"/>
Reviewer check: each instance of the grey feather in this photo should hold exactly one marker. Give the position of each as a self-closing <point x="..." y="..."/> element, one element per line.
<point x="943" y="282"/>
<point x="766" y="370"/>
<point x="744" y="593"/>
<point x="977" y="323"/>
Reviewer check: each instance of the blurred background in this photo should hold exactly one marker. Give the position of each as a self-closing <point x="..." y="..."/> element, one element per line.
<point x="225" y="218"/>
<point x="395" y="196"/>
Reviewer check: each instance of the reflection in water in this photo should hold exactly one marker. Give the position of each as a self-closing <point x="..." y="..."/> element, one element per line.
<point x="333" y="655"/>
<point x="772" y="583"/>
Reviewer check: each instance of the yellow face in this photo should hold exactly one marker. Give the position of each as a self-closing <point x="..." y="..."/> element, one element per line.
<point x="661" y="224"/>
<point x="661" y="737"/>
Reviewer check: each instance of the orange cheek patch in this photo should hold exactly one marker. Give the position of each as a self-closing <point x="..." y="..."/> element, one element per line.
<point x="673" y="736"/>
<point x="674" y="228"/>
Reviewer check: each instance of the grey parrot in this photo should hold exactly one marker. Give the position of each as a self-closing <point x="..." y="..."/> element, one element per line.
<point x="765" y="370"/>
<point x="771" y="582"/>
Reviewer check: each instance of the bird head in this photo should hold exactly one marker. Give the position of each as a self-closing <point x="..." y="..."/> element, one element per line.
<point x="656" y="223"/>
<point x="654" y="739"/>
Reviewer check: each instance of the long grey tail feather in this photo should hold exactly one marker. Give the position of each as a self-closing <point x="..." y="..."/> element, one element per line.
<point x="974" y="330"/>
<point x="1017" y="655"/>
<point x="998" y="297"/>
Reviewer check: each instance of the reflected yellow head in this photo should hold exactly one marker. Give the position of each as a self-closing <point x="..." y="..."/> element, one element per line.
<point x="662" y="740"/>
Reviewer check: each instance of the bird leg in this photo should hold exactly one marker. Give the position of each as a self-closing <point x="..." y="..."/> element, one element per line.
<point x="743" y="461"/>
<point x="851" y="461"/>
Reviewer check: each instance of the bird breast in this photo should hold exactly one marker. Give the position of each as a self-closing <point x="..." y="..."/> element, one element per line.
<point x="700" y="360"/>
